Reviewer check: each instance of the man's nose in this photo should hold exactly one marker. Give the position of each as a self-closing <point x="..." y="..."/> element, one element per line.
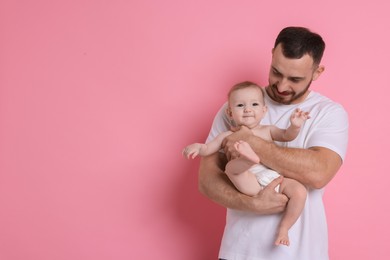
<point x="283" y="85"/>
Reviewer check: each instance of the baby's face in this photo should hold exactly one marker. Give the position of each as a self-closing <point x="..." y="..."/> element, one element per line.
<point x="246" y="106"/>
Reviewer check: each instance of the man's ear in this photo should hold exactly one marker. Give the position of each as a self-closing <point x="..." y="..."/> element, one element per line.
<point x="318" y="72"/>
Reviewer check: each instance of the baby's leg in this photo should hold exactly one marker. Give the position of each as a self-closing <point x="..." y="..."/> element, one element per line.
<point x="247" y="159"/>
<point x="296" y="193"/>
<point x="238" y="170"/>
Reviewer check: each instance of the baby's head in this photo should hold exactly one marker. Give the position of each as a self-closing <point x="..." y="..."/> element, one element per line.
<point x="246" y="104"/>
<point x="245" y="85"/>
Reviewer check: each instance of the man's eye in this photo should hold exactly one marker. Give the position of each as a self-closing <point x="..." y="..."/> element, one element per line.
<point x="275" y="72"/>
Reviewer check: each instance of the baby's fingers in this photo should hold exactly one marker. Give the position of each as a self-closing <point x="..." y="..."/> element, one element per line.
<point x="194" y="154"/>
<point x="187" y="153"/>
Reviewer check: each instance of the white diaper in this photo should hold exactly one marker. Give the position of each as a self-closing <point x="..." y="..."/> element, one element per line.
<point x="264" y="175"/>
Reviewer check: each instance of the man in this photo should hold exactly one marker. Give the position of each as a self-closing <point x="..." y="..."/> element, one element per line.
<point x="313" y="158"/>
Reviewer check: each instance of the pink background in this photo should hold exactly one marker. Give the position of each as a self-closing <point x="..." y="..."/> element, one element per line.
<point x="97" y="99"/>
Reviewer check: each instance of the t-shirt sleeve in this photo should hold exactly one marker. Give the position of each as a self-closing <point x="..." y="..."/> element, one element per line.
<point x="331" y="131"/>
<point x="221" y="124"/>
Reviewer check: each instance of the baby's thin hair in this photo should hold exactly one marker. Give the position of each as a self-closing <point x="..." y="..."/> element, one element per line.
<point x="245" y="84"/>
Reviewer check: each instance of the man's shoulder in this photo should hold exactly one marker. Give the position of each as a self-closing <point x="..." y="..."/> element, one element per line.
<point x="317" y="100"/>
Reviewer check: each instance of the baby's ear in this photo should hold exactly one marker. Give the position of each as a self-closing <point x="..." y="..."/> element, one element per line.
<point x="229" y="112"/>
<point x="265" y="109"/>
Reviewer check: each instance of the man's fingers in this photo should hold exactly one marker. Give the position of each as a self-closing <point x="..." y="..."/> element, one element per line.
<point x="275" y="183"/>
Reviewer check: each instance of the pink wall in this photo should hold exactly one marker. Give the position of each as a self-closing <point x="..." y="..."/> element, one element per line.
<point x="97" y="99"/>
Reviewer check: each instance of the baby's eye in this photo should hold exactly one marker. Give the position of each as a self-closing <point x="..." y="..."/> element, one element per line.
<point x="240" y="105"/>
<point x="255" y="104"/>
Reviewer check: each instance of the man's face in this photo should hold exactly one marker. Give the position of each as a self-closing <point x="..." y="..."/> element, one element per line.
<point x="290" y="79"/>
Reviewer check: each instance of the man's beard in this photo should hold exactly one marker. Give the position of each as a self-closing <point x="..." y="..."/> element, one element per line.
<point x="293" y="95"/>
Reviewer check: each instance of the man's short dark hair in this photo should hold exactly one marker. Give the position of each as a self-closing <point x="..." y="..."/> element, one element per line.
<point x="298" y="41"/>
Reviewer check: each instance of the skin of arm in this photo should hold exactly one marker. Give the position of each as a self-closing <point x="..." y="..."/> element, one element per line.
<point x="214" y="184"/>
<point x="297" y="119"/>
<point x="284" y="135"/>
<point x="192" y="150"/>
<point x="313" y="167"/>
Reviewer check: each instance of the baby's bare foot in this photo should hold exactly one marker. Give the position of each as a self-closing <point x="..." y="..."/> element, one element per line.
<point x="246" y="151"/>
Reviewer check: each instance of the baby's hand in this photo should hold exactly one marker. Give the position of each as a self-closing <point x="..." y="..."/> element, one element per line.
<point x="192" y="150"/>
<point x="299" y="117"/>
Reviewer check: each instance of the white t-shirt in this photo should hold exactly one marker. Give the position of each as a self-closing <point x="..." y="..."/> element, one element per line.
<point x="250" y="236"/>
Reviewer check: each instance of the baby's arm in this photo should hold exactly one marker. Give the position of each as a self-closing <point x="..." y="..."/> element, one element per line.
<point x="285" y="135"/>
<point x="195" y="149"/>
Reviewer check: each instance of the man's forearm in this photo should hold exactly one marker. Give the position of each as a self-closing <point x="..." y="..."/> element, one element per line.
<point x="314" y="167"/>
<point x="215" y="185"/>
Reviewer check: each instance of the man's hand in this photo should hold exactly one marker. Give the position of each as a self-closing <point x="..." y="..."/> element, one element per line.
<point x="240" y="134"/>
<point x="214" y="184"/>
<point x="268" y="201"/>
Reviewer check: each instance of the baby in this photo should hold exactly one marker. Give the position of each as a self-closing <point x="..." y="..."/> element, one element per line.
<point x="246" y="107"/>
